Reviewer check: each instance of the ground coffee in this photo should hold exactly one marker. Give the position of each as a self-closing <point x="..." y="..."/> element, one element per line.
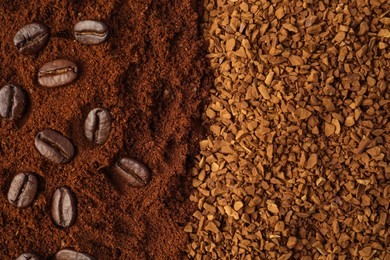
<point x="149" y="74"/>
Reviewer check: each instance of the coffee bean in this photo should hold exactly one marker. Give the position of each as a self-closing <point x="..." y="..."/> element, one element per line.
<point x="130" y="172"/>
<point x="90" y="32"/>
<point x="57" y="73"/>
<point x="27" y="256"/>
<point x="98" y="125"/>
<point x="69" y="254"/>
<point x="23" y="190"/>
<point x="54" y="146"/>
<point x="63" y="207"/>
<point x="12" y="102"/>
<point x="31" y="38"/>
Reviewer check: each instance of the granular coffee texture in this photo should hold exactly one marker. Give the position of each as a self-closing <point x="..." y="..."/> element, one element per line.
<point x="150" y="75"/>
<point x="297" y="164"/>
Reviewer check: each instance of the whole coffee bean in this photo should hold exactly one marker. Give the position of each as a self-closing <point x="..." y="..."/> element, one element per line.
<point x="130" y="172"/>
<point x="27" y="256"/>
<point x="90" y="32"/>
<point x="69" y="254"/>
<point x="12" y="102"/>
<point x="23" y="190"/>
<point x="54" y="146"/>
<point x="31" y="38"/>
<point x="63" y="207"/>
<point x="57" y="73"/>
<point x="98" y="125"/>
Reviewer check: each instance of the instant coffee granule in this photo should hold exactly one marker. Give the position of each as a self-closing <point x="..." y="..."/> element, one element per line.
<point x="297" y="162"/>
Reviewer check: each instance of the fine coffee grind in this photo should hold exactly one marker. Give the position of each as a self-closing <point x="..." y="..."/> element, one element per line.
<point x="149" y="74"/>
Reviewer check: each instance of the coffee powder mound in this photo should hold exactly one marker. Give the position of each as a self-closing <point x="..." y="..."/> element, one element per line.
<point x="150" y="75"/>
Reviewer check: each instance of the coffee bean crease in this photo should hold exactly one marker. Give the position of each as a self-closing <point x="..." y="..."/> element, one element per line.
<point x="128" y="171"/>
<point x="31" y="38"/>
<point x="98" y="125"/>
<point x="90" y="32"/>
<point x="57" y="73"/>
<point x="69" y="254"/>
<point x="63" y="207"/>
<point x="54" y="146"/>
<point x="27" y="256"/>
<point x="12" y="102"/>
<point x="23" y="189"/>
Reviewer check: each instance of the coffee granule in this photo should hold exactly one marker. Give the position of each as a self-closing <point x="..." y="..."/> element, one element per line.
<point x="297" y="161"/>
<point x="149" y="74"/>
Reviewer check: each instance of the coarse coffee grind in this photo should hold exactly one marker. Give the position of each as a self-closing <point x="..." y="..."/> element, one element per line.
<point x="142" y="62"/>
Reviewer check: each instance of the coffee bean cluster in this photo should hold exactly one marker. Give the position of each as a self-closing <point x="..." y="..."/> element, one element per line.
<point x="53" y="145"/>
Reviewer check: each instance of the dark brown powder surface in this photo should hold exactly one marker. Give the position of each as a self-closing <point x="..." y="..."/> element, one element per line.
<point x="149" y="75"/>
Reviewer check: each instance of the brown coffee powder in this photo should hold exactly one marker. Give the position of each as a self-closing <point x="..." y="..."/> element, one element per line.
<point x="149" y="75"/>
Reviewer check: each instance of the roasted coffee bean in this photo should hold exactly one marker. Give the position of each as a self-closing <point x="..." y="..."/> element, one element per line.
<point x="98" y="125"/>
<point x="63" y="207"/>
<point x="69" y="254"/>
<point x="130" y="172"/>
<point x="12" y="102"/>
<point x="31" y="38"/>
<point x="27" y="256"/>
<point x="54" y="146"/>
<point x="23" y="190"/>
<point x="90" y="32"/>
<point x="57" y="73"/>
